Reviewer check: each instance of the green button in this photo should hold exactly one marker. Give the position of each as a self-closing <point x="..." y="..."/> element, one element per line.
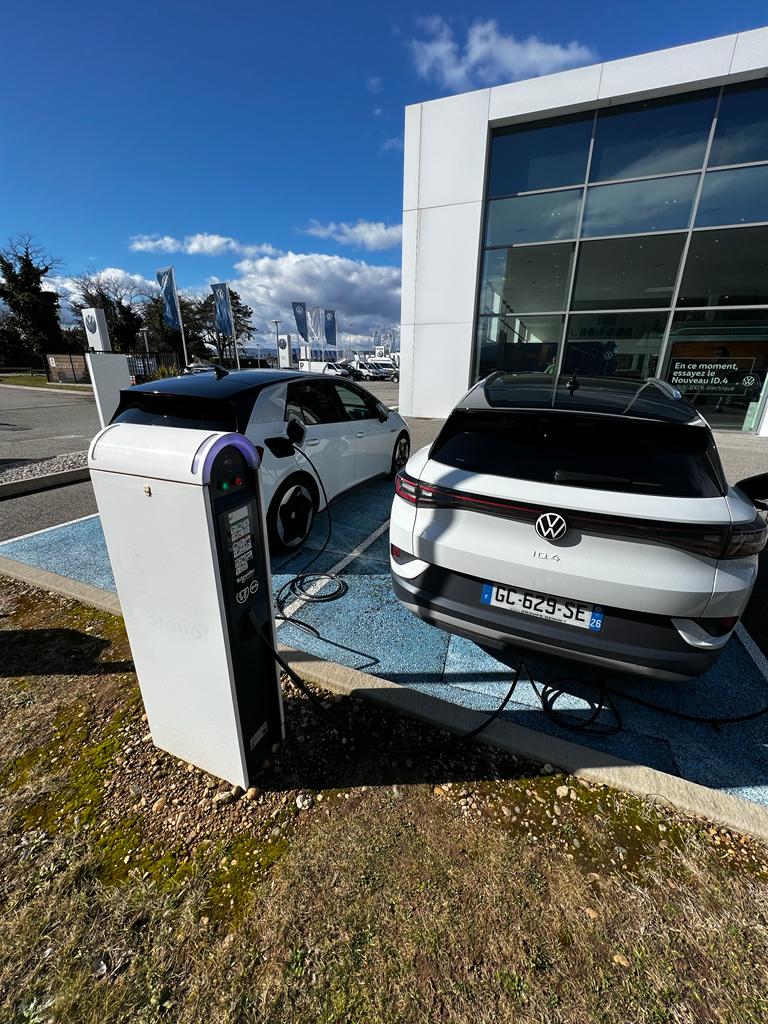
<point x="224" y="486"/>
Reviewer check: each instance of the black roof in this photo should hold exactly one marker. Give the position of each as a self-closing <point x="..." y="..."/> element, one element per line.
<point x="208" y="385"/>
<point x="650" y="399"/>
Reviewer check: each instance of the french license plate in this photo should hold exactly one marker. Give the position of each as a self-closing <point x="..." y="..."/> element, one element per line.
<point x="572" y="613"/>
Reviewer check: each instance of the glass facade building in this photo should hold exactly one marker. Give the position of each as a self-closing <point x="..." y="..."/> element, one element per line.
<point x="632" y="241"/>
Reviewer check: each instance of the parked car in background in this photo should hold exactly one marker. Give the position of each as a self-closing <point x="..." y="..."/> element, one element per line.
<point x="347" y="433"/>
<point x="387" y="366"/>
<point x="588" y="519"/>
<point x="336" y="370"/>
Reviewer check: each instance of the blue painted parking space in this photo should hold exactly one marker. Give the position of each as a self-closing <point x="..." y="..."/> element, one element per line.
<point x="367" y="629"/>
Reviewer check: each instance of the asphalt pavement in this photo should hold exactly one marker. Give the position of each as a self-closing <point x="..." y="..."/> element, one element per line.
<point x="36" y="424"/>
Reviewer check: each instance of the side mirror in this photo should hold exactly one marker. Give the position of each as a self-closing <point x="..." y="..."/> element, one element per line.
<point x="383" y="412"/>
<point x="756" y="489"/>
<point x="295" y="431"/>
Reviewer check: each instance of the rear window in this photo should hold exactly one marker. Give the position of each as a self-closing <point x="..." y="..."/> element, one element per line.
<point x="598" y="452"/>
<point x="176" y="411"/>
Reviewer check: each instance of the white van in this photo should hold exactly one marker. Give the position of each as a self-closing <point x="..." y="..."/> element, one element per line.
<point x="386" y="364"/>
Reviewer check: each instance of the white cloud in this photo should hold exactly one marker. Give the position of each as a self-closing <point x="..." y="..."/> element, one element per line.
<point x="488" y="57"/>
<point x="388" y="145"/>
<point x="365" y="234"/>
<point x="378" y="112"/>
<point x="200" y="244"/>
<point x="364" y="295"/>
<point x="374" y="84"/>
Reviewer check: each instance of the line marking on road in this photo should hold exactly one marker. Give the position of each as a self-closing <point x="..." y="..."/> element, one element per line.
<point x="752" y="649"/>
<point x="35" y="440"/>
<point x="345" y="561"/>
<point x="58" y="526"/>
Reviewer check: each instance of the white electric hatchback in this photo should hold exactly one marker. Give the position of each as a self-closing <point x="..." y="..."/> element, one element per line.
<point x="317" y="436"/>
<point x="586" y="519"/>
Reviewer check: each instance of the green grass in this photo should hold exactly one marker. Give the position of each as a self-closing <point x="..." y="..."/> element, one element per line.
<point x="39" y="381"/>
<point x="377" y="906"/>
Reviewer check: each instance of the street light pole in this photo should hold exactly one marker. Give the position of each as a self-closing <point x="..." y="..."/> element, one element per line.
<point x="277" y="341"/>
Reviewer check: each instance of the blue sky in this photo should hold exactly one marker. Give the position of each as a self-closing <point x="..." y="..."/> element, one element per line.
<point x="262" y="143"/>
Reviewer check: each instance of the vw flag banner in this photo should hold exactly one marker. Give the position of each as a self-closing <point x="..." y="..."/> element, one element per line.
<point x="300" y="315"/>
<point x="316" y="323"/>
<point x="330" y="327"/>
<point x="223" y="307"/>
<point x="171" y="313"/>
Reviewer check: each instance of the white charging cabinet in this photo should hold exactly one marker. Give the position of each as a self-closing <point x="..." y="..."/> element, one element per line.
<point x="184" y="526"/>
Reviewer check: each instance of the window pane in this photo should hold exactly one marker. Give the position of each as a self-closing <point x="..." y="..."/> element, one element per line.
<point x="550" y="154"/>
<point x="355" y="404"/>
<point x="614" y="344"/>
<point x="666" y="459"/>
<point x="726" y="268"/>
<point x="627" y="273"/>
<point x="318" y="400"/>
<point x="742" y="125"/>
<point x="734" y="197"/>
<point x="719" y="360"/>
<point x="531" y="278"/>
<point x="533" y="218"/>
<point x="517" y="343"/>
<point x="661" y="204"/>
<point x="652" y="137"/>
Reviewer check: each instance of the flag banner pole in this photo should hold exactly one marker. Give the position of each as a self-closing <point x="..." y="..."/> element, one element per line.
<point x="178" y="312"/>
<point x="234" y="332"/>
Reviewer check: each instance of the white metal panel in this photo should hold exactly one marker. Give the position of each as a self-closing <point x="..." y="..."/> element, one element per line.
<point x="690" y="65"/>
<point x="453" y="141"/>
<point x="406" y="369"/>
<point x="410" y="252"/>
<point x="411" y="156"/>
<point x="442" y="355"/>
<point x="160" y="551"/>
<point x="751" y="51"/>
<point x="110" y="373"/>
<point x="446" y="266"/>
<point x="563" y="91"/>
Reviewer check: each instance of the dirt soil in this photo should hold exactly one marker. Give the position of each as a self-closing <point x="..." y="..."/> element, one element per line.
<point x="376" y="871"/>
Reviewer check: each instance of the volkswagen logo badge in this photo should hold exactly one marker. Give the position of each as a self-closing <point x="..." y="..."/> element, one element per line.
<point x="551" y="526"/>
<point x="90" y="323"/>
<point x="282" y="343"/>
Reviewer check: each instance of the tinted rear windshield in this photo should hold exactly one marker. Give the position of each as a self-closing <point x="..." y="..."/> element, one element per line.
<point x="176" y="411"/>
<point x="598" y="452"/>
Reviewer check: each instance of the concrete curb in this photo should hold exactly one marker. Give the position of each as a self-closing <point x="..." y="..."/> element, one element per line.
<point x="43" y="483"/>
<point x="591" y="765"/>
<point x="45" y="580"/>
<point x="87" y="389"/>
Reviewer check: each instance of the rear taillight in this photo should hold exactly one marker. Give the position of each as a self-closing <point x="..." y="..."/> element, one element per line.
<point x="746" y="539"/>
<point x="407" y="488"/>
<point x="718" y="627"/>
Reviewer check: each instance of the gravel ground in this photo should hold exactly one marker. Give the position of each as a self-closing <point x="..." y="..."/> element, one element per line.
<point x="43" y="467"/>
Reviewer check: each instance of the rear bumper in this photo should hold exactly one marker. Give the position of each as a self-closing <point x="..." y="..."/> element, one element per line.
<point x="629" y="643"/>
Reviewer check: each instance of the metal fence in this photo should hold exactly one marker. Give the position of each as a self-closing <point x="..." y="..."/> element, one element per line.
<point x="71" y="368"/>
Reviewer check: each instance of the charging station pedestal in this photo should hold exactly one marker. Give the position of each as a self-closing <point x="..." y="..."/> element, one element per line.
<point x="184" y="524"/>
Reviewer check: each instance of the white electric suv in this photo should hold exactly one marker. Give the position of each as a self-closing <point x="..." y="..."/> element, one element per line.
<point x="346" y="432"/>
<point x="585" y="519"/>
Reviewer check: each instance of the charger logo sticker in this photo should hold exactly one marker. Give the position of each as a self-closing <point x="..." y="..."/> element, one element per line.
<point x="243" y="595"/>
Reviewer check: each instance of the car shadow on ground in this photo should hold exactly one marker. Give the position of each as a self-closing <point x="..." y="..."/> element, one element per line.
<point x="41" y="652"/>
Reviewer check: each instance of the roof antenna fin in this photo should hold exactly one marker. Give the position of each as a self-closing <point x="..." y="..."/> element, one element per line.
<point x="572" y="384"/>
<point x="220" y="371"/>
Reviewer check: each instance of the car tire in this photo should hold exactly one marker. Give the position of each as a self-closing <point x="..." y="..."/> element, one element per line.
<point x="400" y="454"/>
<point x="395" y="378"/>
<point x="291" y="513"/>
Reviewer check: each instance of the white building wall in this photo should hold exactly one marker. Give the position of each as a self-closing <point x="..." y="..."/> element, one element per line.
<point x="445" y="157"/>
